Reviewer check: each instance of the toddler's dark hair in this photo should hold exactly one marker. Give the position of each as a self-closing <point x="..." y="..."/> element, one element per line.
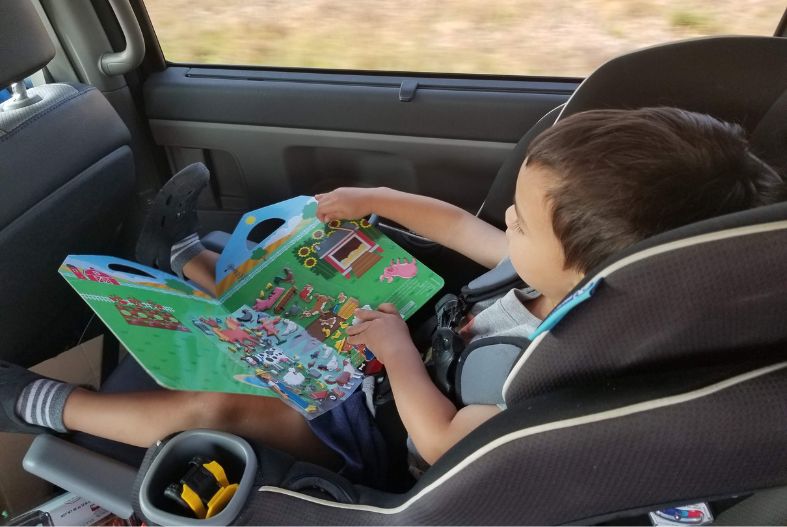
<point x="625" y="175"/>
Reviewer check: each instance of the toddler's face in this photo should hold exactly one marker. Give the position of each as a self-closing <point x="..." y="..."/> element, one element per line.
<point x="535" y="250"/>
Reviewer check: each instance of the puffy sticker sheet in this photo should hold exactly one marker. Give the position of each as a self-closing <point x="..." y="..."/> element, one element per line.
<point x="278" y="326"/>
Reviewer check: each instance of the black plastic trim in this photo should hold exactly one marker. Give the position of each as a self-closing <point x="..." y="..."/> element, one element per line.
<point x="398" y="73"/>
<point x="781" y="29"/>
<point x="542" y="86"/>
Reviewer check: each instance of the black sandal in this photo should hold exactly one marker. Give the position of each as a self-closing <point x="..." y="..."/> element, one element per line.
<point x="172" y="216"/>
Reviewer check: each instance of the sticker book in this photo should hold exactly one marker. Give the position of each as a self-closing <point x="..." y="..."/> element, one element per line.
<point x="277" y="327"/>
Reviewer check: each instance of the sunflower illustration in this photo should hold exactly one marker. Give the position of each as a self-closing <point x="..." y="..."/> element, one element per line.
<point x="315" y="247"/>
<point x="319" y="234"/>
<point x="365" y="223"/>
<point x="304" y="251"/>
<point x="310" y="262"/>
<point x="334" y="224"/>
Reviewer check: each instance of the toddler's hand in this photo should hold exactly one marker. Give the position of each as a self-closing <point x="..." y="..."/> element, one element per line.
<point x="382" y="331"/>
<point x="346" y="203"/>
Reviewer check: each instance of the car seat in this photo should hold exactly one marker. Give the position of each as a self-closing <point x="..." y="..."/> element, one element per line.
<point x="651" y="406"/>
<point x="67" y="172"/>
<point x="668" y="386"/>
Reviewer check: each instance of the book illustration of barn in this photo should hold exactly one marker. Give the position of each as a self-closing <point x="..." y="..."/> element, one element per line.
<point x="148" y="314"/>
<point x="347" y="250"/>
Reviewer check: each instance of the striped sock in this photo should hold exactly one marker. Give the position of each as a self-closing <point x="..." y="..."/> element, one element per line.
<point x="42" y="402"/>
<point x="183" y="251"/>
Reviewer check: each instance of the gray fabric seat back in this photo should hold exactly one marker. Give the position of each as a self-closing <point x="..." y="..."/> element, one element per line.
<point x="67" y="174"/>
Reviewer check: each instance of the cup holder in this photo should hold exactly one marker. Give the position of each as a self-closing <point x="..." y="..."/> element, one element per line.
<point x="233" y="453"/>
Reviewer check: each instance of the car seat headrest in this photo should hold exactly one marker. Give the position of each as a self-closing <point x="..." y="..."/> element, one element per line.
<point x="714" y="75"/>
<point x="24" y="43"/>
<point x="710" y="298"/>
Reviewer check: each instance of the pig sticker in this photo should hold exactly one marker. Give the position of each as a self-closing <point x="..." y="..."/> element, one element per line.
<point x="399" y="269"/>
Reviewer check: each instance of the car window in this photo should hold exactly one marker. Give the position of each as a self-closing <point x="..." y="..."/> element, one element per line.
<point x="509" y="37"/>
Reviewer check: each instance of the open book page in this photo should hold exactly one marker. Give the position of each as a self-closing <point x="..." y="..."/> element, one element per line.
<point x="279" y="325"/>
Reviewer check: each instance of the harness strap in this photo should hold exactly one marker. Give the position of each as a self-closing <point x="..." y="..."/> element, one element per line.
<point x="482" y="368"/>
<point x="495" y="282"/>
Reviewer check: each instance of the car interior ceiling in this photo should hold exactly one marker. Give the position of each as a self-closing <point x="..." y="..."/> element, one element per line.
<point x="108" y="159"/>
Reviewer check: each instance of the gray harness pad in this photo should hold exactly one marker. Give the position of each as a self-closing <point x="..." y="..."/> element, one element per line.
<point x="484" y="371"/>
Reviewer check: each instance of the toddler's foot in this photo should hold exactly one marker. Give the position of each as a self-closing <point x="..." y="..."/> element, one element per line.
<point x="169" y="235"/>
<point x="31" y="403"/>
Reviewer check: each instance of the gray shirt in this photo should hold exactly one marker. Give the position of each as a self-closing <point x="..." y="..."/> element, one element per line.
<point x="505" y="316"/>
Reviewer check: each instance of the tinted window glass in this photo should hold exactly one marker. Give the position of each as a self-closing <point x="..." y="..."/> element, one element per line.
<point x="515" y="37"/>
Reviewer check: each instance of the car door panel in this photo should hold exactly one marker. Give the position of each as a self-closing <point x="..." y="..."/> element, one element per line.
<point x="269" y="135"/>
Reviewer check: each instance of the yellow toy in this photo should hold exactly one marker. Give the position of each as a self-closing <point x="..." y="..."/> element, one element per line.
<point x="204" y="490"/>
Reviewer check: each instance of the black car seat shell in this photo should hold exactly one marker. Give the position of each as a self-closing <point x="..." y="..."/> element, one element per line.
<point x="665" y="387"/>
<point x="67" y="175"/>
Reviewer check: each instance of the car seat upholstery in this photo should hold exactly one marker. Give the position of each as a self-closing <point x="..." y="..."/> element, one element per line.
<point x="669" y="385"/>
<point x="738" y="79"/>
<point x="67" y="173"/>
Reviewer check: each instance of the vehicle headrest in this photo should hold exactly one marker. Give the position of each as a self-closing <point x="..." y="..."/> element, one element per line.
<point x="25" y="46"/>
<point x="709" y="297"/>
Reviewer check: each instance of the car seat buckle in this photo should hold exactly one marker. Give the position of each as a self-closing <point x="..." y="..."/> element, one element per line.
<point x="695" y="514"/>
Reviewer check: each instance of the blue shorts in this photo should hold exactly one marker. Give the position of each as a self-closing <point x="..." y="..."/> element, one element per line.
<point x="350" y="430"/>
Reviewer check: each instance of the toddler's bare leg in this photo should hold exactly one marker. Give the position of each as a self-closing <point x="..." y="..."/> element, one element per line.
<point x="202" y="270"/>
<point x="142" y="418"/>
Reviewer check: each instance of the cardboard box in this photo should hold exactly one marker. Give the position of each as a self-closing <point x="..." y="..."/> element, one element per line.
<point x="20" y="491"/>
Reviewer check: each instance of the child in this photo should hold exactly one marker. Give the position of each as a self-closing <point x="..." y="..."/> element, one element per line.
<point x="593" y="184"/>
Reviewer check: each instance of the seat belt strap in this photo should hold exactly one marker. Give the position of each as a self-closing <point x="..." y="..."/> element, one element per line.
<point x="495" y="282"/>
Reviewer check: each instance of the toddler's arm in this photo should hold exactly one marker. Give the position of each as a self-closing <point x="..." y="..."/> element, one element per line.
<point x="431" y="419"/>
<point x="437" y="220"/>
